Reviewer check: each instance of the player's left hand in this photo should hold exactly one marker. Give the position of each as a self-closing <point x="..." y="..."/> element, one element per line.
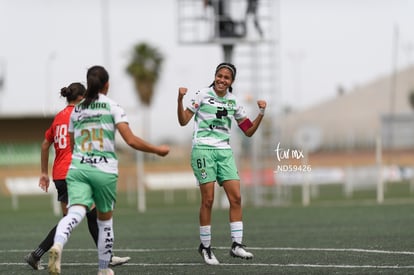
<point x="44" y="182"/>
<point x="261" y="104"/>
<point x="163" y="150"/>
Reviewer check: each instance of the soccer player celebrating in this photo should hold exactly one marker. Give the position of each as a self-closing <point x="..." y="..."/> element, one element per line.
<point x="93" y="173"/>
<point x="212" y="159"/>
<point x="58" y="135"/>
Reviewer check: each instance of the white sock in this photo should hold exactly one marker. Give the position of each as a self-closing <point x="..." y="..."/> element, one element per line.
<point x="105" y="242"/>
<point x="75" y="215"/>
<point x="205" y="235"/>
<point x="236" y="231"/>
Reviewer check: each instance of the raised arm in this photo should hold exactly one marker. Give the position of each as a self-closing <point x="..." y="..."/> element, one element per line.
<point x="250" y="127"/>
<point x="184" y="115"/>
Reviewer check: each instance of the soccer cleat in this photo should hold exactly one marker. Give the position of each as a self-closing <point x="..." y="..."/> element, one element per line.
<point x="106" y="271"/>
<point x="35" y="264"/>
<point x="55" y="255"/>
<point x="237" y="250"/>
<point x="118" y="260"/>
<point x="207" y="255"/>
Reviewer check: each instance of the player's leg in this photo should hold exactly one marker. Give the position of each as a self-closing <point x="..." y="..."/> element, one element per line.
<point x="105" y="240"/>
<point x="207" y="199"/>
<point x="92" y="224"/>
<point x="232" y="189"/>
<point x="93" y="230"/>
<point x="75" y="215"/>
<point x="33" y="258"/>
<point x="105" y="198"/>
<point x="80" y="194"/>
<point x="203" y="165"/>
<point x="229" y="179"/>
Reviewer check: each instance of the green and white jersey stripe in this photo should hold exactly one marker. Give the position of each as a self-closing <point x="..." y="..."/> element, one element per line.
<point x="94" y="130"/>
<point x="213" y="116"/>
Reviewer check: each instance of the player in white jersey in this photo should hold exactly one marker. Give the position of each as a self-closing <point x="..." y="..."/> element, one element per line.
<point x="93" y="173"/>
<point x="214" y="109"/>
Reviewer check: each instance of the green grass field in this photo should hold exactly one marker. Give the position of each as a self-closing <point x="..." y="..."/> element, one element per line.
<point x="333" y="235"/>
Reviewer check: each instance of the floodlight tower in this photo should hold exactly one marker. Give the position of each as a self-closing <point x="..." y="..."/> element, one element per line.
<point x="247" y="31"/>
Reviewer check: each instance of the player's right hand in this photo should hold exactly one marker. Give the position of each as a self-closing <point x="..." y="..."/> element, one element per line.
<point x="181" y="92"/>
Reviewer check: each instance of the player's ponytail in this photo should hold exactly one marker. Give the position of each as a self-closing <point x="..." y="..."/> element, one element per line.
<point x="96" y="79"/>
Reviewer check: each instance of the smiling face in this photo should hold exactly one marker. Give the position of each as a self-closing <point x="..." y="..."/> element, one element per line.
<point x="222" y="81"/>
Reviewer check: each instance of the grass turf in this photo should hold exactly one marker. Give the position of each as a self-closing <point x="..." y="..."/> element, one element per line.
<point x="333" y="235"/>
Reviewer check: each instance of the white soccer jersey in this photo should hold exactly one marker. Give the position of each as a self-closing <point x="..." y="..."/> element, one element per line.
<point x="213" y="116"/>
<point x="94" y="131"/>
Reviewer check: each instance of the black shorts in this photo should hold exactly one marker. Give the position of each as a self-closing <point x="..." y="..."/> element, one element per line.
<point x="62" y="190"/>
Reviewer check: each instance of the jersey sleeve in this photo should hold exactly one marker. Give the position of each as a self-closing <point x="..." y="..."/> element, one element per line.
<point x="70" y="125"/>
<point x="240" y="112"/>
<point x="119" y="114"/>
<point x="49" y="135"/>
<point x="195" y="102"/>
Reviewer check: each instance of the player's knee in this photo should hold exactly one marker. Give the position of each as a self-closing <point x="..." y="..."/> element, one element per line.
<point x="235" y="201"/>
<point x="207" y="203"/>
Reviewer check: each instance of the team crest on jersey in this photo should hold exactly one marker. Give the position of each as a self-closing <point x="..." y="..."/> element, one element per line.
<point x="230" y="105"/>
<point x="195" y="104"/>
<point x="203" y="173"/>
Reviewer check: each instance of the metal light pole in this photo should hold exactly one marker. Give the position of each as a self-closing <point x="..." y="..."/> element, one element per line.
<point x="393" y="89"/>
<point x="2" y="72"/>
<point x="48" y="83"/>
<point x="106" y="34"/>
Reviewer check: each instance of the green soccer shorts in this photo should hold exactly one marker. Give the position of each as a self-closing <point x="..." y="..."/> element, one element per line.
<point x="213" y="165"/>
<point x="87" y="187"/>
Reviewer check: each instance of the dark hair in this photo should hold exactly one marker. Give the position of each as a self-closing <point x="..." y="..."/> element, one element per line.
<point x="229" y="66"/>
<point x="73" y="91"/>
<point x="96" y="78"/>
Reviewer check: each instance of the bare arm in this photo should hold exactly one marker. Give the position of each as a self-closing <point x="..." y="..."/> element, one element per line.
<point x="255" y="123"/>
<point x="140" y="144"/>
<point x="184" y="116"/>
<point x="44" y="180"/>
<point x="72" y="141"/>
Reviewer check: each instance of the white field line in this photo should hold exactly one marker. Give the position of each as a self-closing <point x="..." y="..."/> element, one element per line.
<point x="356" y="250"/>
<point x="241" y="264"/>
<point x="333" y="250"/>
<point x="146" y="250"/>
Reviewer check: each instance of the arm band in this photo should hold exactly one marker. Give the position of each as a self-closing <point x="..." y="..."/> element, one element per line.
<point x="245" y="125"/>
